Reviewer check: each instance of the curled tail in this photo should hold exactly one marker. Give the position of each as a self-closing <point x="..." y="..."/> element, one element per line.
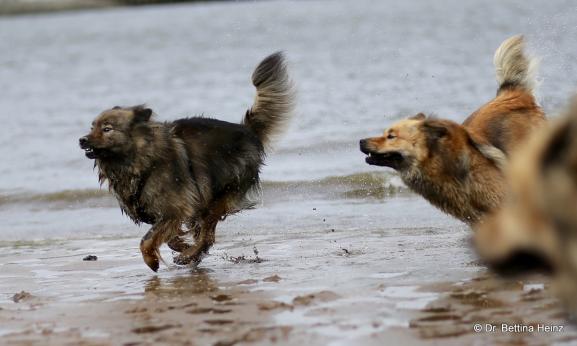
<point x="515" y="69"/>
<point x="274" y="99"/>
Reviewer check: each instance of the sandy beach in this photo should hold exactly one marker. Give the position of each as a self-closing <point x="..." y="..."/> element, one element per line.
<point x="50" y="296"/>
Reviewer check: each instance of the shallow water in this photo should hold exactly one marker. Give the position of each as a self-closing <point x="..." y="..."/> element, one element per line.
<point x="327" y="221"/>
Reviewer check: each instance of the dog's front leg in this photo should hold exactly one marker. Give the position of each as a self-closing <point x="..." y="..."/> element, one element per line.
<point x="153" y="239"/>
<point x="149" y="248"/>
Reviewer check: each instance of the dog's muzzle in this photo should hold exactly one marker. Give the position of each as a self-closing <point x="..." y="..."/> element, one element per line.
<point x="391" y="159"/>
<point x="364" y="146"/>
<point x="88" y="149"/>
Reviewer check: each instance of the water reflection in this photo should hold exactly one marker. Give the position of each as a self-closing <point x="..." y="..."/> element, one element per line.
<point x="192" y="282"/>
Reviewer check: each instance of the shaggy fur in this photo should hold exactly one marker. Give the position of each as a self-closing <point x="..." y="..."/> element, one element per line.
<point x="459" y="167"/>
<point x="182" y="177"/>
<point x="538" y="219"/>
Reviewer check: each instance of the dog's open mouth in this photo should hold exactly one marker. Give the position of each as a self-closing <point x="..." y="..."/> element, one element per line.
<point x="90" y="153"/>
<point x="389" y="159"/>
<point x="392" y="159"/>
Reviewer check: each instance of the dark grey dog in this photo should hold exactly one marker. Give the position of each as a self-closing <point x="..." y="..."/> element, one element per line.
<point x="192" y="172"/>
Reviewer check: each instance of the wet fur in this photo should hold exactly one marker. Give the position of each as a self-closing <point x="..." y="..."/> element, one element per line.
<point x="182" y="177"/>
<point x="459" y="167"/>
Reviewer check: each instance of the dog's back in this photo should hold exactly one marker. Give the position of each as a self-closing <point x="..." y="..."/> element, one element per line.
<point x="225" y="157"/>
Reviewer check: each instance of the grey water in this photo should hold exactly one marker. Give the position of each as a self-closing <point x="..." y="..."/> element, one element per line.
<point x="358" y="66"/>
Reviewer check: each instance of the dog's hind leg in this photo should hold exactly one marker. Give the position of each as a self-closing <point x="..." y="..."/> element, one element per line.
<point x="154" y="238"/>
<point x="177" y="243"/>
<point x="204" y="237"/>
<point x="203" y="243"/>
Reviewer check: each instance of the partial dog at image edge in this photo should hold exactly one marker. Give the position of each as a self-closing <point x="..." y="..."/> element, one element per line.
<point x="459" y="167"/>
<point x="182" y="177"/>
<point x="536" y="227"/>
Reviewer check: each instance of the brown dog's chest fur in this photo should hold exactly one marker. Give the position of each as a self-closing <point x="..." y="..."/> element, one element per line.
<point x="460" y="181"/>
<point x="467" y="197"/>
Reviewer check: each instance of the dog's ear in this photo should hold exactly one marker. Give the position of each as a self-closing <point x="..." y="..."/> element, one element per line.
<point x="419" y="116"/>
<point x="141" y="113"/>
<point x="435" y="129"/>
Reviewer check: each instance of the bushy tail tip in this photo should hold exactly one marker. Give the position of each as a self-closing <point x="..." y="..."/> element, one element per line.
<point x="514" y="68"/>
<point x="274" y="101"/>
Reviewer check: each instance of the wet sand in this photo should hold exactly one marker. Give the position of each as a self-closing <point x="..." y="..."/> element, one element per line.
<point x="492" y="310"/>
<point x="296" y="290"/>
<point x="62" y="299"/>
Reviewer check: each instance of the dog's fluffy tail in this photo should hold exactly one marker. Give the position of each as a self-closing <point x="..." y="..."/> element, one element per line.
<point x="515" y="69"/>
<point x="274" y="100"/>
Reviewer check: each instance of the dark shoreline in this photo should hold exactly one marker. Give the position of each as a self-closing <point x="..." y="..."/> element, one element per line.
<point x="16" y="7"/>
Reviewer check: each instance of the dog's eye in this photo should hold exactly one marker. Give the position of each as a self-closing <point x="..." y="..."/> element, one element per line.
<point x="391" y="136"/>
<point x="107" y="129"/>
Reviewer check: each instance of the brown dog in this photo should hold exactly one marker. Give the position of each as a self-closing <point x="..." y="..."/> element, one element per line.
<point x="192" y="172"/>
<point x="459" y="167"/>
<point x="537" y="223"/>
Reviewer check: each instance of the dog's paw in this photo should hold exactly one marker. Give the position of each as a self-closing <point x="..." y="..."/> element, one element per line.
<point x="181" y="260"/>
<point x="187" y="260"/>
<point x="152" y="262"/>
<point x="150" y="255"/>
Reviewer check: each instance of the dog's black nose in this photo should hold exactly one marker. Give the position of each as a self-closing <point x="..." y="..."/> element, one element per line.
<point x="83" y="141"/>
<point x="363" y="146"/>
